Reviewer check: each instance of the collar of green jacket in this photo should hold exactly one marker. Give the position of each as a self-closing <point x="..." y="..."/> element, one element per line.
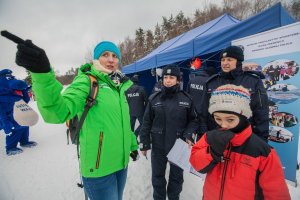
<point x="89" y="69"/>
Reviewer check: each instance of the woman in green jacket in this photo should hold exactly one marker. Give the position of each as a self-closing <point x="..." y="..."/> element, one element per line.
<point x="106" y="139"/>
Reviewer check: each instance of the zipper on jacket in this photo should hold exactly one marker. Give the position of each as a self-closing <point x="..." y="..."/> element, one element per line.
<point x="226" y="159"/>
<point x="99" y="150"/>
<point x="260" y="99"/>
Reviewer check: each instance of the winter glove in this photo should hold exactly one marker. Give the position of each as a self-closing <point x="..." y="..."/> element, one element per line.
<point x="218" y="140"/>
<point x="25" y="94"/>
<point x="144" y="146"/>
<point x="118" y="77"/>
<point x="6" y="125"/>
<point x="134" y="155"/>
<point x="29" y="55"/>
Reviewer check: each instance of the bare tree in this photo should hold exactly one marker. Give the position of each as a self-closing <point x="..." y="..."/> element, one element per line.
<point x="89" y="56"/>
<point x="295" y="9"/>
<point x="127" y="49"/>
<point x="260" y="5"/>
<point x="237" y="8"/>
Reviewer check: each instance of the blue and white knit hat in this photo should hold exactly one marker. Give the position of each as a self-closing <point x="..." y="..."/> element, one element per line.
<point x="230" y="98"/>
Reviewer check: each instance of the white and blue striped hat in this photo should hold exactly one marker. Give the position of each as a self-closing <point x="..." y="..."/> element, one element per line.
<point x="230" y="98"/>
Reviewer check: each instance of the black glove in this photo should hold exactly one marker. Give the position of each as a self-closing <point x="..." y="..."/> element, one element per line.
<point x="218" y="140"/>
<point x="144" y="146"/>
<point x="134" y="155"/>
<point x="29" y="55"/>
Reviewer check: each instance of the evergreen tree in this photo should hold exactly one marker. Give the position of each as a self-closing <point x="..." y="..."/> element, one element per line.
<point x="158" y="36"/>
<point x="139" y="43"/>
<point x="149" y="43"/>
<point x="166" y="28"/>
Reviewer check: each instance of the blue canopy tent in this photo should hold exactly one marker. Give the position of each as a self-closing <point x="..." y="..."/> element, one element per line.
<point x="207" y="39"/>
<point x="183" y="44"/>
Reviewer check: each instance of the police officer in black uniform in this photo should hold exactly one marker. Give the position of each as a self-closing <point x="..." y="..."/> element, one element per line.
<point x="137" y="100"/>
<point x="169" y="115"/>
<point x="232" y="73"/>
<point x="196" y="88"/>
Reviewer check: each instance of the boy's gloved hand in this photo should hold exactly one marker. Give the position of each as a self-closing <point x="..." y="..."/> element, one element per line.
<point x="135" y="155"/>
<point x="29" y="56"/>
<point x="218" y="140"/>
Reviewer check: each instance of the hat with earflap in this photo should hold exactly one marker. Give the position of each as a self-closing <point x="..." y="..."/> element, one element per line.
<point x="171" y="70"/>
<point x="230" y="98"/>
<point x="233" y="52"/>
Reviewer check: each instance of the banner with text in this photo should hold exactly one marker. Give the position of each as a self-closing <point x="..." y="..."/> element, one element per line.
<point x="276" y="53"/>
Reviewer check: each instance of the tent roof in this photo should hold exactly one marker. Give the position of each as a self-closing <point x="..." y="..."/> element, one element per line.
<point x="210" y="37"/>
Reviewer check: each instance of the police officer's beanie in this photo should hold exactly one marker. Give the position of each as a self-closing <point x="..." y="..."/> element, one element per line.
<point x="171" y="70"/>
<point x="106" y="46"/>
<point x="230" y="98"/>
<point x="233" y="52"/>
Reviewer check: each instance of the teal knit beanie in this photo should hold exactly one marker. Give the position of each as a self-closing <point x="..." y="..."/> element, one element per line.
<point x="106" y="46"/>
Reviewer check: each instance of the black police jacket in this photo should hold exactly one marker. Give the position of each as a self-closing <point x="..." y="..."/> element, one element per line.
<point x="137" y="100"/>
<point x="259" y="99"/>
<point x="167" y="118"/>
<point x="196" y="89"/>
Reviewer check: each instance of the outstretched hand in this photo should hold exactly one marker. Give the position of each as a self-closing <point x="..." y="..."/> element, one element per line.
<point x="29" y="56"/>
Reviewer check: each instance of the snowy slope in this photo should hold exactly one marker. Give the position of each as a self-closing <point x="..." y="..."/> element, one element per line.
<point x="50" y="171"/>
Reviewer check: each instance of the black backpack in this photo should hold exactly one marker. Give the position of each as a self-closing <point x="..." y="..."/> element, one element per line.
<point x="74" y="125"/>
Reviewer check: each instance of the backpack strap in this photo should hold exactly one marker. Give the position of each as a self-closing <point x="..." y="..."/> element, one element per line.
<point x="90" y="101"/>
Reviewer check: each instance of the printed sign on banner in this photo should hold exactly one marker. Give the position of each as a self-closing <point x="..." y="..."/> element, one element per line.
<point x="276" y="53"/>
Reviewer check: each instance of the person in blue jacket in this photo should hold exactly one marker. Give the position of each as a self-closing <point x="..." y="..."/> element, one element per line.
<point x="11" y="91"/>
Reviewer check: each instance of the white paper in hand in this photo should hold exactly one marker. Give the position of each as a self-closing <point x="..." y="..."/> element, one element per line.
<point x="180" y="156"/>
<point x="24" y="115"/>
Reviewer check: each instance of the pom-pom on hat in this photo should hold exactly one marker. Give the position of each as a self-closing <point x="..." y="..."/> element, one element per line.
<point x="233" y="52"/>
<point x="230" y="98"/>
<point x="106" y="46"/>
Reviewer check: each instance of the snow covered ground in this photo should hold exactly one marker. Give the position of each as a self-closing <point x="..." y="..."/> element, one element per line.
<point x="50" y="171"/>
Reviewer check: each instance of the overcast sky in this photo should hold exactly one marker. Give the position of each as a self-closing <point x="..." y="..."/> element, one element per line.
<point x="68" y="29"/>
